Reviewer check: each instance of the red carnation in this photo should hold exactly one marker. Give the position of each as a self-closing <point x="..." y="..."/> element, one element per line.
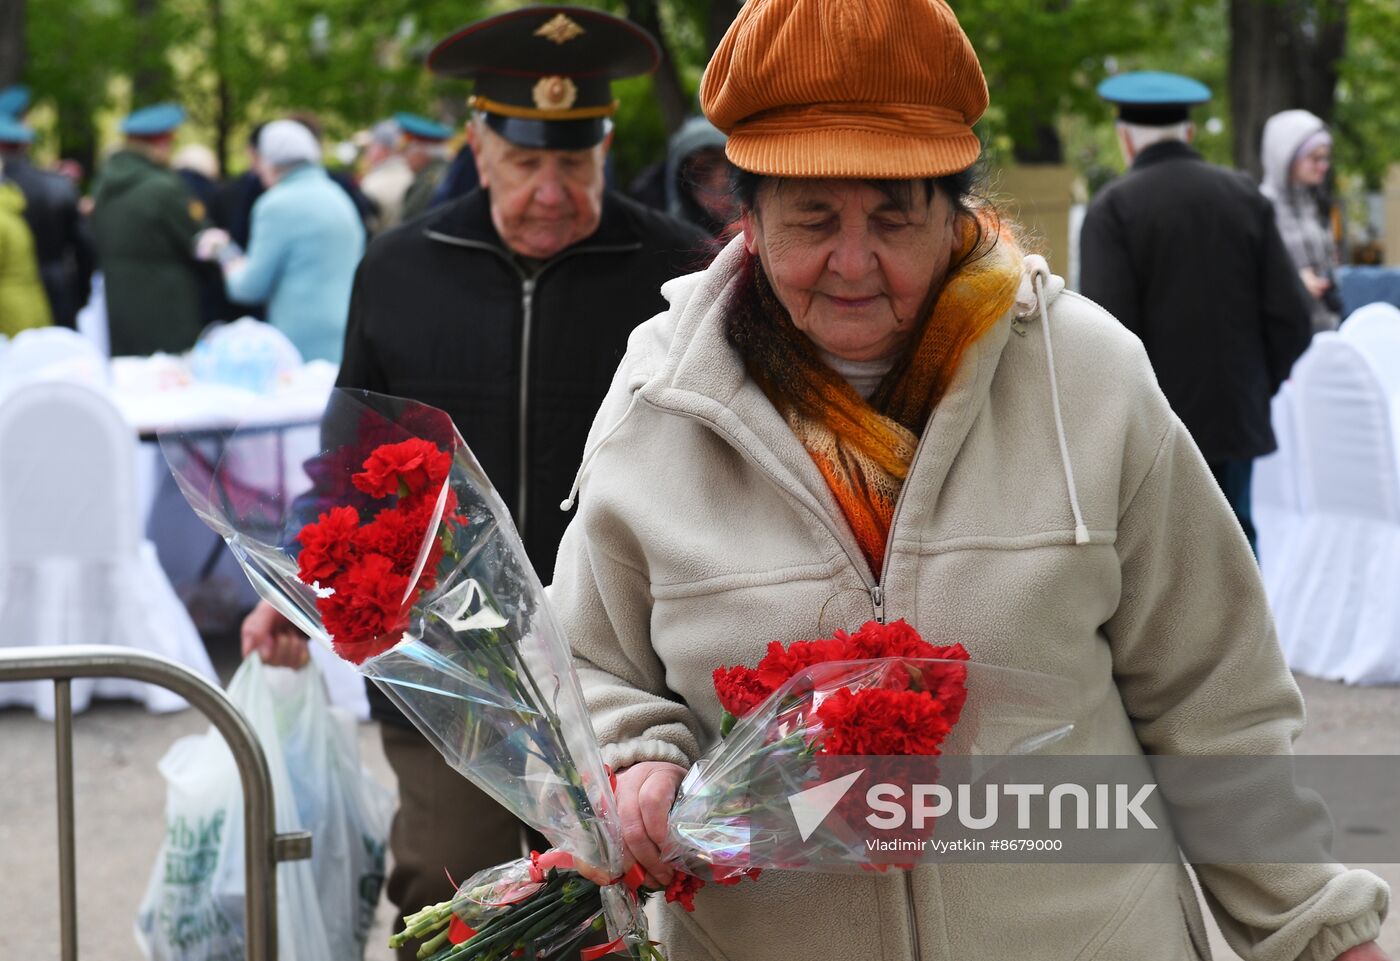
<point x="739" y="689"/>
<point x="366" y="615"/>
<point x="876" y="721"/>
<point x="683" y="888"/>
<point x="896" y="639"/>
<point x="400" y="532"/>
<point x="415" y="464"/>
<point x="779" y="665"/>
<point x="328" y="545"/>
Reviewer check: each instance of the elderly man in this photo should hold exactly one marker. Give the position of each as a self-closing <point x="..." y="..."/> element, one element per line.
<point x="425" y="150"/>
<point x="306" y="241"/>
<point x="144" y="224"/>
<point x="510" y="309"/>
<point x="387" y="175"/>
<point x="1188" y="257"/>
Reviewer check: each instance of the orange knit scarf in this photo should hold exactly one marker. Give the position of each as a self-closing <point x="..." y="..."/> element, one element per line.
<point x="864" y="448"/>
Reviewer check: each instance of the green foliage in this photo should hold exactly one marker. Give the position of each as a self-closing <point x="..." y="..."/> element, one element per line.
<point x="1368" y="94"/>
<point x="1043" y="58"/>
<point x="353" y="62"/>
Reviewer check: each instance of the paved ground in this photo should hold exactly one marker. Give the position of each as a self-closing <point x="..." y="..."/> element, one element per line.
<point x="120" y="797"/>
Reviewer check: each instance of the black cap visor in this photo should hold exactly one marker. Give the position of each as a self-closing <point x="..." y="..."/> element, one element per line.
<point x="549" y="134"/>
<point x="1153" y="115"/>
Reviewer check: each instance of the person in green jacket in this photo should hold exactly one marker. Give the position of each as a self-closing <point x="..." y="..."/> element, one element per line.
<point x="425" y="149"/>
<point x="23" y="303"/>
<point x="144" y="224"/>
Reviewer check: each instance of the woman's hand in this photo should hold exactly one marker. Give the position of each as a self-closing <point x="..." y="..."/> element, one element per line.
<point x="1370" y="951"/>
<point x="1317" y="285"/>
<point x="274" y="638"/>
<point x="645" y="793"/>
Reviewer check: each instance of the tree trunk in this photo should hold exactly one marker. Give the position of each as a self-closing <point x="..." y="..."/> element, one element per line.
<point x="12" y="47"/>
<point x="77" y="137"/>
<point x="150" y="75"/>
<point x="670" y="95"/>
<point x="722" y="14"/>
<point x="1044" y="147"/>
<point x="223" y="109"/>
<point x="1283" y="54"/>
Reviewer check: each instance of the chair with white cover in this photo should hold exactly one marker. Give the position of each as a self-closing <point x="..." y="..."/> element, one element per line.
<point x="1379" y="317"/>
<point x="51" y="353"/>
<point x="74" y="568"/>
<point x="1337" y="605"/>
<point x="1276" y="496"/>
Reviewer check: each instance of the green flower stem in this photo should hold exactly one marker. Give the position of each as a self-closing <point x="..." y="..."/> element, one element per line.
<point x="429" y="947"/>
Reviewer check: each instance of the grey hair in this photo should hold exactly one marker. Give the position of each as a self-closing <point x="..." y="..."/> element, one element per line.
<point x="1142" y="137"/>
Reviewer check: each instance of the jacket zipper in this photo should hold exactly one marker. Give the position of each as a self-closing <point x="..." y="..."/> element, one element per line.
<point x="527" y="302"/>
<point x="522" y="459"/>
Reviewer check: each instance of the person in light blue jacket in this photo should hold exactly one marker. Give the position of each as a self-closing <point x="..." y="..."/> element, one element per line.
<point x="305" y="243"/>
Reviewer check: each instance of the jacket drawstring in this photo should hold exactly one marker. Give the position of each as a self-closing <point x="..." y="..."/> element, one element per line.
<point x="1081" y="532"/>
<point x="567" y="504"/>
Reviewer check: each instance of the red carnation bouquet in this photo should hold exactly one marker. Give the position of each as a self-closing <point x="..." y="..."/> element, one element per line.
<point x="389" y="543"/>
<point x="806" y="711"/>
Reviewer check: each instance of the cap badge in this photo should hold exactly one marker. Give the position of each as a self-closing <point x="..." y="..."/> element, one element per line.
<point x="560" y="30"/>
<point x="555" y="93"/>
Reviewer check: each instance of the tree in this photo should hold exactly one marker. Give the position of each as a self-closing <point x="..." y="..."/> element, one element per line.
<point x="1283" y="54"/>
<point x="11" y="42"/>
<point x="1043" y="58"/>
<point x="1367" y="113"/>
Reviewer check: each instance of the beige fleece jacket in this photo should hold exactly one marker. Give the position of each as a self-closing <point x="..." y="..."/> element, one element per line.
<point x="704" y="531"/>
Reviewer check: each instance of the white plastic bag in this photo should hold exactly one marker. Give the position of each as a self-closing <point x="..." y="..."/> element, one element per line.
<point x="194" y="904"/>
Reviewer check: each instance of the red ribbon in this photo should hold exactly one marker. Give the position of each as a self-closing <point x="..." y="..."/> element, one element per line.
<point x="459" y="931"/>
<point x="540" y="865"/>
<point x="553" y="858"/>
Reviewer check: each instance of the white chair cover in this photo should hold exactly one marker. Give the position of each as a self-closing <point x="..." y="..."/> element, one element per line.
<point x="73" y="566"/>
<point x="51" y="353"/>
<point x="1337" y="603"/>
<point x="1378" y="317"/>
<point x="1276" y="497"/>
<point x="92" y="318"/>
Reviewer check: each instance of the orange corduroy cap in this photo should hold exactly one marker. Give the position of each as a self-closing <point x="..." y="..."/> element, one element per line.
<point x="846" y="88"/>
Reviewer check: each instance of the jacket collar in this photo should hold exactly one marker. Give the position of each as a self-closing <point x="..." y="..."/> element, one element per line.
<point x="1166" y="150"/>
<point x="468" y="222"/>
<point x="703" y="378"/>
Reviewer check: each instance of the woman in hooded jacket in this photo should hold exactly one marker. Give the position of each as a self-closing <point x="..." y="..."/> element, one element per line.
<point x="1297" y="151"/>
<point x="872" y="404"/>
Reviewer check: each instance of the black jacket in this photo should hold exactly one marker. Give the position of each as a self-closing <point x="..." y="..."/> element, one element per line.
<point x="62" y="248"/>
<point x="1187" y="256"/>
<point x="442" y="313"/>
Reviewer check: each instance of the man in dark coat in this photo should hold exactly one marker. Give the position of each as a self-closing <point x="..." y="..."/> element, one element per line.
<point x="51" y="210"/>
<point x="144" y="224"/>
<point x="1187" y="256"/>
<point x="509" y="309"/>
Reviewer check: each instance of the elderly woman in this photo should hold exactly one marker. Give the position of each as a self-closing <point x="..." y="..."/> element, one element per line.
<point x="871" y="405"/>
<point x="1296" y="152"/>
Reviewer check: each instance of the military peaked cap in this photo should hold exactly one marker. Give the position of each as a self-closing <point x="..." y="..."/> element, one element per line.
<point x="543" y="74"/>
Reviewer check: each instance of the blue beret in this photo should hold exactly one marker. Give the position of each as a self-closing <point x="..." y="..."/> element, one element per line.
<point x="12" y="131"/>
<point x="14" y="101"/>
<point x="1150" y="88"/>
<point x="422" y="127"/>
<point x="154" y="121"/>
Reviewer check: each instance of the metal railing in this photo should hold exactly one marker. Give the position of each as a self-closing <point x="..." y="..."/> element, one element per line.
<point x="263" y="846"/>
